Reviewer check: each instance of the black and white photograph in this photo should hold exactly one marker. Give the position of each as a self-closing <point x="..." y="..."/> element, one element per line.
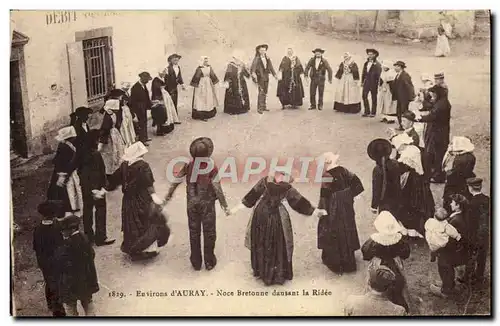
<point x="254" y="163"/>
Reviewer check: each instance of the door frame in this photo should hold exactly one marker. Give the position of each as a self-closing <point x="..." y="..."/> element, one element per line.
<point x="18" y="42"/>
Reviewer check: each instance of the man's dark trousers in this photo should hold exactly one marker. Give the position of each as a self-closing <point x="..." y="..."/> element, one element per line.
<point x="373" y="89"/>
<point x="319" y="84"/>
<point x="200" y="214"/>
<point x="88" y="217"/>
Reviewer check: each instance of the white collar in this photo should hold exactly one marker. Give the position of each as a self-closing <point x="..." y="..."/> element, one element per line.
<point x="475" y="193"/>
<point x="47" y="222"/>
<point x="132" y="161"/>
<point x="386" y="239"/>
<point x="454" y="213"/>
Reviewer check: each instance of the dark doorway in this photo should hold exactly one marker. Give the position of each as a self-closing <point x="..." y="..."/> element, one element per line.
<point x="18" y="141"/>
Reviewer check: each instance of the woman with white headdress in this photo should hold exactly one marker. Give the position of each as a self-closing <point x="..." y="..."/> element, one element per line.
<point x="386" y="106"/>
<point x="388" y="247"/>
<point x="65" y="183"/>
<point x="458" y="164"/>
<point x="163" y="111"/>
<point x="337" y="232"/>
<point x="417" y="203"/>
<point x="144" y="231"/>
<point x="111" y="143"/>
<point x="127" y="126"/>
<point x="348" y="92"/>
<point x="290" y="88"/>
<point x="421" y="104"/>
<point x="205" y="100"/>
<point x="236" y="99"/>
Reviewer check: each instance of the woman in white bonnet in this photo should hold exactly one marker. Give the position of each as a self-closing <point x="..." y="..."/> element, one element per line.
<point x="65" y="183"/>
<point x="386" y="106"/>
<point x="205" y="100"/>
<point x="236" y="99"/>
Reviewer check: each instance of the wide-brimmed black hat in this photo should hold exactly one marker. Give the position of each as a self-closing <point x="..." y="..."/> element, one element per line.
<point x="318" y="50"/>
<point x="257" y="48"/>
<point x="51" y="208"/>
<point x="372" y="51"/>
<point x="117" y="93"/>
<point x="82" y="111"/>
<point x="379" y="148"/>
<point x="175" y="55"/>
<point x="146" y="75"/>
<point x="475" y="182"/>
<point x="400" y="63"/>
<point x="201" y="147"/>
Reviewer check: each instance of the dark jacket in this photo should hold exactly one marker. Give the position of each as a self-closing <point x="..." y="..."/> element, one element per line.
<point x="456" y="251"/>
<point x="261" y="71"/>
<point x="354" y="70"/>
<point x="479" y="221"/>
<point x="46" y="240"/>
<point x="402" y="88"/>
<point x="108" y="124"/>
<point x="320" y="73"/>
<point x="371" y="78"/>
<point x="78" y="279"/>
<point x="139" y="98"/>
<point x="156" y="86"/>
<point x="171" y="80"/>
<point x="437" y="131"/>
<point x="93" y="172"/>
<point x="386" y="187"/>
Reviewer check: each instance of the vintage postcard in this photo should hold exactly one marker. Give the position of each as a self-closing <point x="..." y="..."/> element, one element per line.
<point x="250" y="163"/>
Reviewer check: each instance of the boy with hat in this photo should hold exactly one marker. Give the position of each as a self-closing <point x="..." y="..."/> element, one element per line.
<point x="260" y="70"/>
<point x="46" y="239"/>
<point x="319" y="66"/>
<point x="75" y="258"/>
<point x="370" y="79"/>
<point x="203" y="190"/>
<point x="140" y="103"/>
<point x="403" y="90"/>
<point x="173" y="78"/>
<point x="375" y="302"/>
<point x="479" y="224"/>
<point x="407" y="121"/>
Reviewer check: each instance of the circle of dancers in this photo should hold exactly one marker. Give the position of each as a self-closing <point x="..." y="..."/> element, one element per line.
<point x="103" y="150"/>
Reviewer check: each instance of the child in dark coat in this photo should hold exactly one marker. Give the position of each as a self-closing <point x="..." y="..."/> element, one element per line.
<point x="46" y="239"/>
<point x="75" y="258"/>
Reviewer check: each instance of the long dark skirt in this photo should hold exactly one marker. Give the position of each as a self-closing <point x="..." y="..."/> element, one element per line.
<point x="293" y="97"/>
<point x="268" y="253"/>
<point x="136" y="223"/>
<point x="236" y="104"/>
<point x="347" y="108"/>
<point x="203" y="115"/>
<point x="339" y="261"/>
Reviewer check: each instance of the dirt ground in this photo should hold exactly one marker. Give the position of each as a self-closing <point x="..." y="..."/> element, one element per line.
<point x="276" y="133"/>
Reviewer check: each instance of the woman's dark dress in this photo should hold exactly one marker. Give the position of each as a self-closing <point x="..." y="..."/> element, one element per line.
<point x="140" y="227"/>
<point x="387" y="255"/>
<point x="236" y="100"/>
<point x="65" y="161"/>
<point x="417" y="202"/>
<point x="386" y="187"/>
<point x="78" y="280"/>
<point x="159" y="112"/>
<point x="290" y="88"/>
<point x="456" y="179"/>
<point x="337" y="232"/>
<point x="269" y="234"/>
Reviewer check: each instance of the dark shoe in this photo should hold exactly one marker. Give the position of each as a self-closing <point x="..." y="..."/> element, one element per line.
<point x="390" y="122"/>
<point x="266" y="109"/>
<point x="283" y="107"/>
<point x="365" y="115"/>
<point x="160" y="134"/>
<point x="312" y="108"/>
<point x="260" y="111"/>
<point x="149" y="139"/>
<point x="372" y="115"/>
<point x="320" y="107"/>
<point x="146" y="144"/>
<point x="383" y="120"/>
<point x="196" y="267"/>
<point x="177" y="123"/>
<point x="106" y="242"/>
<point x="143" y="256"/>
<point x="211" y="265"/>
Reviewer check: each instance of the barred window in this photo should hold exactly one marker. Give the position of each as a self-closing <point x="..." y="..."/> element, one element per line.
<point x="393" y="14"/>
<point x="99" y="71"/>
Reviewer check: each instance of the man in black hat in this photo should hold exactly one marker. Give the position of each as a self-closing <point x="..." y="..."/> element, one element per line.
<point x="319" y="66"/>
<point x="370" y="79"/>
<point x="203" y="190"/>
<point x="479" y="228"/>
<point x="140" y="103"/>
<point x="260" y="70"/>
<point x="173" y="78"/>
<point x="79" y="120"/>
<point x="402" y="90"/>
